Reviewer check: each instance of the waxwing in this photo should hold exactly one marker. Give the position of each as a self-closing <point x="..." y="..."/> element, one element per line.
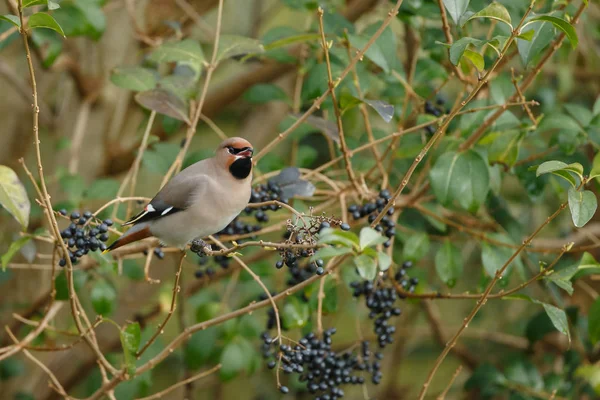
<point x="199" y="201"/>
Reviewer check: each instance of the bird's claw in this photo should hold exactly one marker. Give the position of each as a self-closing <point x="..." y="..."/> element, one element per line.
<point x="200" y="247"/>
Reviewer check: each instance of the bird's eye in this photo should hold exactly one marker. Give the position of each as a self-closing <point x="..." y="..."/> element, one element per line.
<point x="231" y="150"/>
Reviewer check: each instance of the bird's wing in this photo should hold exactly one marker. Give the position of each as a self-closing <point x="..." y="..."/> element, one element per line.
<point x="177" y="195"/>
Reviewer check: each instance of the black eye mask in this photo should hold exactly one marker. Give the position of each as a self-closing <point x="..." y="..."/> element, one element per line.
<point x="234" y="151"/>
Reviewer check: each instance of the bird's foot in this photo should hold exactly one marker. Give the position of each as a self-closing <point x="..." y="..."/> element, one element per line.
<point x="200" y="247"/>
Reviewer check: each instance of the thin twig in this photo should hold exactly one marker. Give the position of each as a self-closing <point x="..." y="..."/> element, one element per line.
<point x="482" y="300"/>
<point x="441" y="130"/>
<point x="317" y="103"/>
<point x="76" y="308"/>
<point x="261" y="284"/>
<point x="442" y="395"/>
<point x="176" y="166"/>
<point x="57" y="386"/>
<point x="336" y="108"/>
<point x="133" y="172"/>
<point x="475" y="136"/>
<point x="19" y="345"/>
<point x="320" y="297"/>
<point x="201" y="375"/>
<point x="161" y="327"/>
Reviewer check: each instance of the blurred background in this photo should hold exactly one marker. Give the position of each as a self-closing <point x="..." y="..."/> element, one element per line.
<point x="97" y="89"/>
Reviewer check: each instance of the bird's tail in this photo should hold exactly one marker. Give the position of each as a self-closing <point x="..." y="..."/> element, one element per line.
<point x="138" y="232"/>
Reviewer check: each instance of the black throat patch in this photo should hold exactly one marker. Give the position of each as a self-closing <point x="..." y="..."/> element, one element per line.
<point x="241" y="168"/>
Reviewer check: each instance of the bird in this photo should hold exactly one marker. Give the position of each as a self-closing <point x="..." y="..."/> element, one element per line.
<point x="199" y="201"/>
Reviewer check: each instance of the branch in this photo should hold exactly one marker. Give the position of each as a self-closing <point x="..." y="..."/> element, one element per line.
<point x="482" y="300"/>
<point x="317" y="103"/>
<point x="336" y="108"/>
<point x="201" y="375"/>
<point x="441" y="130"/>
<point x="76" y="308"/>
<point x="475" y="136"/>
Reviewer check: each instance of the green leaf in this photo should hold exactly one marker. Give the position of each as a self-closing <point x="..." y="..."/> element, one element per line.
<point x="562" y="25"/>
<point x="13" y="196"/>
<point x="43" y="20"/>
<point x="53" y="5"/>
<point x="416" y="246"/>
<point x="265" y="92"/>
<point x="12" y="250"/>
<point x="285" y="41"/>
<point x="583" y="206"/>
<point x="550" y="166"/>
<point x="493" y="257"/>
<point x="476" y="59"/>
<point x="295" y="313"/>
<point x="330" y="302"/>
<point x="458" y="48"/>
<point x="558" y="318"/>
<point x="595" y="172"/>
<point x="503" y="146"/>
<point x="234" y="45"/>
<point x="159" y="158"/>
<point x="373" y="53"/>
<point x="62" y="288"/>
<point x="326" y="253"/>
<point x="366" y="266"/>
<point x="186" y="50"/>
<point x="130" y="341"/>
<point x="337" y="236"/>
<point x="200" y="347"/>
<point x="448" y="263"/>
<point x="540" y="34"/>
<point x="456" y="8"/>
<point x="494" y="11"/>
<point x="49" y="45"/>
<point x="104" y="188"/>
<point x="580" y="113"/>
<point x="10" y="368"/>
<point x="463" y="177"/>
<point x="370" y="237"/>
<point x="82" y="18"/>
<point x="385" y="110"/>
<point x="384" y="261"/>
<point x="564" y="284"/>
<point x="164" y="102"/>
<point x="523" y="371"/>
<point x="487" y="379"/>
<point x="103" y="297"/>
<point x="31" y="3"/>
<point x="237" y="356"/>
<point x="594" y="322"/>
<point x="562" y="170"/>
<point x="13" y="19"/>
<point x="528" y="35"/>
<point x="133" y="78"/>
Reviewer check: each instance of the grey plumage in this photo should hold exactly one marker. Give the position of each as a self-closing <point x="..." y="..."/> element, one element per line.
<point x="199" y="201"/>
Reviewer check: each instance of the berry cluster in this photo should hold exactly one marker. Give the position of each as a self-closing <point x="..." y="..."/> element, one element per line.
<point x="292" y="257"/>
<point x="372" y="209"/>
<point x="81" y="238"/>
<point x="321" y="369"/>
<point x="435" y="111"/>
<point x="380" y="300"/>
<point x="407" y="283"/>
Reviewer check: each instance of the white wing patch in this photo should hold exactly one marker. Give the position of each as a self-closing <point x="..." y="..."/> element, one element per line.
<point x="166" y="211"/>
<point x="150" y="208"/>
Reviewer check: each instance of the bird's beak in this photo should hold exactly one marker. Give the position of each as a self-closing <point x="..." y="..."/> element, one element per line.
<point x="245" y="154"/>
